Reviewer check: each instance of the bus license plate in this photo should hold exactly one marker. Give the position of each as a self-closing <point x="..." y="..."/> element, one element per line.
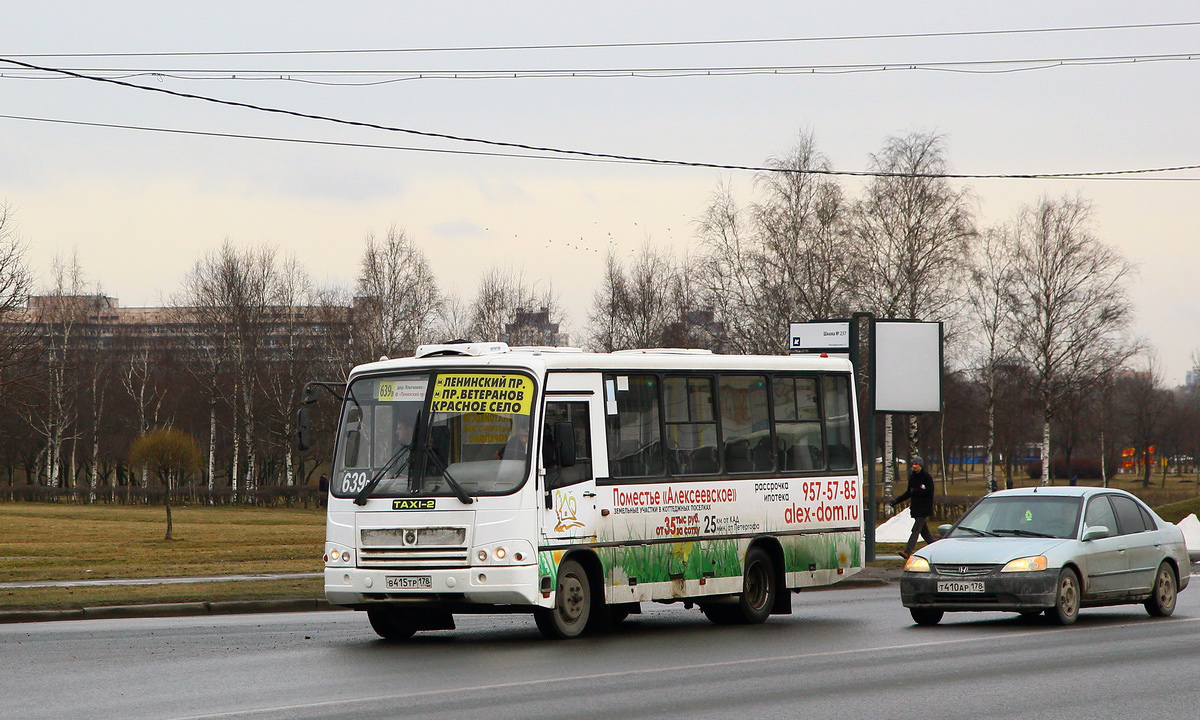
<point x="409" y="582"/>
<point x="960" y="586"/>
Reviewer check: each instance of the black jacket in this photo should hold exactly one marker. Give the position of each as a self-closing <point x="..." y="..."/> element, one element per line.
<point x="920" y="491"/>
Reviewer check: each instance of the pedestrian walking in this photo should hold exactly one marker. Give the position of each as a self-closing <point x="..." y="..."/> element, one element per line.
<point x="920" y="495"/>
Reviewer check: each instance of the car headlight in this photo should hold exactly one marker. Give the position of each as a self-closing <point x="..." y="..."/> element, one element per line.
<point x="916" y="563"/>
<point x="1026" y="564"/>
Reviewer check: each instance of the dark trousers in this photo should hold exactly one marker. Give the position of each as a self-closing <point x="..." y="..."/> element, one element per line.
<point x="920" y="529"/>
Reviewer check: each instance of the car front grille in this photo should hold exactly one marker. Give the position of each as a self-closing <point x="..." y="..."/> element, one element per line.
<point x="965" y="570"/>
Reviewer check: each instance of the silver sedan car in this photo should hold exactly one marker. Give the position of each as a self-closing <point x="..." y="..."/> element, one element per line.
<point x="1052" y="550"/>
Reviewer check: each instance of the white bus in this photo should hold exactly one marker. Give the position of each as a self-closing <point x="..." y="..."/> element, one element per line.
<point x="479" y="478"/>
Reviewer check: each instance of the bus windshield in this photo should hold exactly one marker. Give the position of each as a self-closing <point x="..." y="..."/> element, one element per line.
<point x="430" y="434"/>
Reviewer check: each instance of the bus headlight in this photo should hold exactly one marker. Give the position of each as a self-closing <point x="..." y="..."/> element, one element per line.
<point x="508" y="552"/>
<point x="336" y="556"/>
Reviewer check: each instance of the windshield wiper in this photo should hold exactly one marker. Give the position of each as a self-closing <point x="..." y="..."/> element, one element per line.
<point x="441" y="465"/>
<point x="980" y="533"/>
<point x="402" y="452"/>
<point x="1023" y="533"/>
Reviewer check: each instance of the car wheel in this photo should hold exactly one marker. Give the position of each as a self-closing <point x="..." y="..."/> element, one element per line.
<point x="1066" y="602"/>
<point x="926" y="616"/>
<point x="389" y="624"/>
<point x="572" y="604"/>
<point x="1162" y="599"/>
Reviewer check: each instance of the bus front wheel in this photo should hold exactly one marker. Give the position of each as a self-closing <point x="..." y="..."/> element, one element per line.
<point x="572" y="604"/>
<point x="390" y="624"/>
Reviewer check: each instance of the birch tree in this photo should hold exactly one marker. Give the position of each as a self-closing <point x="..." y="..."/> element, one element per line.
<point x="638" y="307"/>
<point x="911" y="228"/>
<point x="1071" y="307"/>
<point x="502" y="293"/>
<point x="17" y="341"/>
<point x="398" y="301"/>
<point x="991" y="261"/>
<point x="786" y="257"/>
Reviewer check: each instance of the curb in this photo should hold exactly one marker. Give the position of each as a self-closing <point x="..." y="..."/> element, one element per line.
<point x="867" y="578"/>
<point x="188" y="609"/>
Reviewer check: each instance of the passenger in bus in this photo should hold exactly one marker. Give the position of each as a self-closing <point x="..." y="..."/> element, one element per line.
<point x="920" y="491"/>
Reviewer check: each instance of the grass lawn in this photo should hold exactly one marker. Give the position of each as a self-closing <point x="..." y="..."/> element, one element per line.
<point x="81" y="542"/>
<point x="44" y="541"/>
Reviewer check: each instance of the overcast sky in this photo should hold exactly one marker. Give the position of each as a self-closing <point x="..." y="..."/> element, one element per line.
<point x="140" y="207"/>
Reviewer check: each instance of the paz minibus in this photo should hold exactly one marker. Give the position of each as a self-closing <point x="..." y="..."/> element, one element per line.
<point x="483" y="478"/>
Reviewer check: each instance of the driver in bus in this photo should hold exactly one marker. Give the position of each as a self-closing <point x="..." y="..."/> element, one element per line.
<point x="517" y="447"/>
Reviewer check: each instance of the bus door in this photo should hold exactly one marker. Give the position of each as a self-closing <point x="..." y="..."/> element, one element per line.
<point x="569" y="493"/>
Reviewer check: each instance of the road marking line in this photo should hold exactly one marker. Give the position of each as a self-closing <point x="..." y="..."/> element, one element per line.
<point x="624" y="673"/>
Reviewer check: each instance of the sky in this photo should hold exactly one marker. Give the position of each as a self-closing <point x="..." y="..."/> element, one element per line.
<point x="140" y="207"/>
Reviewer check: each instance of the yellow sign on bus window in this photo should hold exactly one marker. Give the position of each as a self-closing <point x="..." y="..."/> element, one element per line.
<point x="482" y="393"/>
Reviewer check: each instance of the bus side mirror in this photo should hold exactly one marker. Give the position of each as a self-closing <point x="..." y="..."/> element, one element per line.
<point x="564" y="444"/>
<point x="303" y="434"/>
<point x="310" y="394"/>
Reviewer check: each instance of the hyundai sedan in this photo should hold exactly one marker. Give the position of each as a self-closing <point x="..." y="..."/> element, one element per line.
<point x="1052" y="550"/>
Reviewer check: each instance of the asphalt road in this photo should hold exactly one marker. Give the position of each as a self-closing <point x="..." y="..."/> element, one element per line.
<point x="850" y="653"/>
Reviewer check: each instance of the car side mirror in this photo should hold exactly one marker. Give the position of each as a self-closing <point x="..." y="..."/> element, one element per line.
<point x="1096" y="532"/>
<point x="944" y="530"/>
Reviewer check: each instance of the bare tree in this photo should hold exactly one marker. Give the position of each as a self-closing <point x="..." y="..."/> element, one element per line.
<point x="398" y="300"/>
<point x="1071" y="308"/>
<point x="786" y="258"/>
<point x="912" y="229"/>
<point x="989" y="299"/>
<point x="501" y="296"/>
<point x="17" y="341"/>
<point x="230" y="291"/>
<point x="636" y="308"/>
<point x="1147" y="409"/>
<point x="59" y="316"/>
<point x="282" y="378"/>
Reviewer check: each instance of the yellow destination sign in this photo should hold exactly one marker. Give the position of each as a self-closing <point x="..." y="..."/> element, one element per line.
<point x="482" y="393"/>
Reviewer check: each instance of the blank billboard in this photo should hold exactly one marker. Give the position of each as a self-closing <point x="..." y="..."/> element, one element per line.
<point x="908" y="367"/>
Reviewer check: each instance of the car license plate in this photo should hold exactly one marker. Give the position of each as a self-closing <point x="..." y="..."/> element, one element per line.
<point x="960" y="586"/>
<point x="409" y="582"/>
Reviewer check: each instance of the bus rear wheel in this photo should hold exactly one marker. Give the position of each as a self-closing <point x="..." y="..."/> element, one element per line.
<point x="758" y="594"/>
<point x="572" y="604"/>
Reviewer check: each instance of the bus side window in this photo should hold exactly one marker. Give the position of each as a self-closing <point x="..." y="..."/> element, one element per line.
<point x="838" y="427"/>
<point x="575" y="413"/>
<point x="798" y="423"/>
<point x="634" y="431"/>
<point x="691" y="439"/>
<point x="746" y="424"/>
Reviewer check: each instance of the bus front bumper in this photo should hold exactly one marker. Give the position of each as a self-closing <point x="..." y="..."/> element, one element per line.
<point x="482" y="585"/>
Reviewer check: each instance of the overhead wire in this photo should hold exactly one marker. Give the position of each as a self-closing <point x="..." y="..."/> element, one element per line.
<point x="964" y="66"/>
<point x="610" y="45"/>
<point x="1112" y="175"/>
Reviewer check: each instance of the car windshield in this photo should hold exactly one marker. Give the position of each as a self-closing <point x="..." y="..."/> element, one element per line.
<point x="1021" y="516"/>
<point x="427" y="434"/>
